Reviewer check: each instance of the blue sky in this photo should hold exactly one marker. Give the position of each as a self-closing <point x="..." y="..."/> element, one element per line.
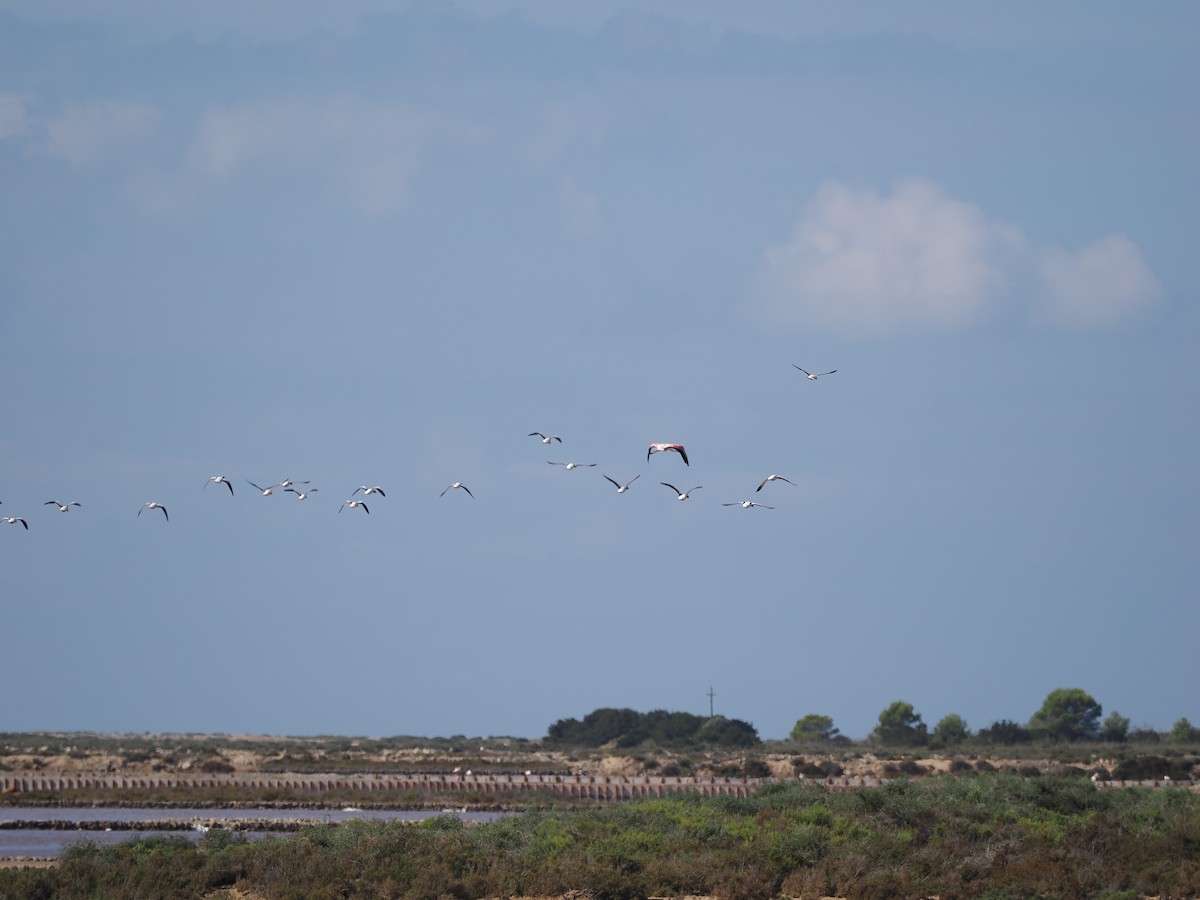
<point x="380" y="244"/>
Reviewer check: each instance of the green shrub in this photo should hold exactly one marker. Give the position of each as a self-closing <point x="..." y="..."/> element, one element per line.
<point x="988" y="835"/>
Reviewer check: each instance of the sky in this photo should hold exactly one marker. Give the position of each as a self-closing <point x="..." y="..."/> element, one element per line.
<point x="379" y="243"/>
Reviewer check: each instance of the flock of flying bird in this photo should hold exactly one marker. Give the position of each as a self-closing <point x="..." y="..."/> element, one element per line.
<point x="663" y="448"/>
<point x="302" y="493"/>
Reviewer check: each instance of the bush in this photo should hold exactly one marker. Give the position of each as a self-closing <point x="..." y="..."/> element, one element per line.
<point x="756" y="768"/>
<point x="1140" y="768"/>
<point x="825" y="768"/>
<point x="992" y="835"/>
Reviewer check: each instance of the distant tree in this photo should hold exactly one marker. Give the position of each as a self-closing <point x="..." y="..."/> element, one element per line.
<point x="951" y="730"/>
<point x="1005" y="733"/>
<point x="1068" y="714"/>
<point x="814" y="727"/>
<point x="1182" y="732"/>
<point x="899" y="724"/>
<point x="1115" y="728"/>
<point x="627" y="728"/>
<point x="722" y="732"/>
<point x="597" y="728"/>
<point x="667" y="729"/>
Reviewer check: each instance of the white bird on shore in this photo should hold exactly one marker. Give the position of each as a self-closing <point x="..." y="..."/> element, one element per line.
<point x="662" y="448"/>
<point x="571" y="465"/>
<point x="748" y="504"/>
<point x="153" y="504"/>
<point x="220" y="479"/>
<point x="13" y="520"/>
<point x="62" y="507"/>
<point x="810" y="376"/>
<point x="354" y="504"/>
<point x="458" y="485"/>
<point x="302" y="495"/>
<point x="545" y="439"/>
<point x="265" y="491"/>
<point x="368" y="491"/>
<point x="773" y="478"/>
<point x="681" y="495"/>
<point x="622" y="488"/>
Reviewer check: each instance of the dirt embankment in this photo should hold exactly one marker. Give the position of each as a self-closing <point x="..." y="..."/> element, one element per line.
<point x="313" y="757"/>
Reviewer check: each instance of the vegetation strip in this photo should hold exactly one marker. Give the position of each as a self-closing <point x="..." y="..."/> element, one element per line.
<point x="995" y="835"/>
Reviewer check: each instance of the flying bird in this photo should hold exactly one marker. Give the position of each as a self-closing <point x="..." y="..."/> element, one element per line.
<point x="748" y="504"/>
<point x="302" y="495"/>
<point x="458" y="484"/>
<point x="13" y="520"/>
<point x="265" y="491"/>
<point x="681" y="495"/>
<point x="353" y="504"/>
<point x="660" y="448"/>
<point x="369" y="490"/>
<point x="545" y="439"/>
<point x="155" y="505"/>
<point x="62" y="507"/>
<point x="569" y="466"/>
<point x="810" y="376"/>
<point x="773" y="478"/>
<point x="220" y="479"/>
<point x="287" y="483"/>
<point x="622" y="488"/>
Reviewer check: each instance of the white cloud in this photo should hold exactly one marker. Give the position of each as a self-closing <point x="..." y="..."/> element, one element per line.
<point x="369" y="150"/>
<point x="1097" y="286"/>
<point x="861" y="262"/>
<point x="88" y="134"/>
<point x="920" y="260"/>
<point x="14" y="121"/>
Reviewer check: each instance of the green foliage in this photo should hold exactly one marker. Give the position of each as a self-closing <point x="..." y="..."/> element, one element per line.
<point x="756" y="768"/>
<point x="985" y="835"/>
<point x="900" y="725"/>
<point x="1182" y="732"/>
<point x="627" y="728"/>
<point x="814" y="727"/>
<point x="1115" y="728"/>
<point x="1152" y="766"/>
<point x="719" y="731"/>
<point x="1068" y="714"/>
<point x="950" y="731"/>
<point x="823" y="768"/>
<point x="1005" y="733"/>
<point x="597" y="728"/>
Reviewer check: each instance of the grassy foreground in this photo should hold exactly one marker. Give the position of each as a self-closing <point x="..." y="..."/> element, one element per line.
<point x="972" y="836"/>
